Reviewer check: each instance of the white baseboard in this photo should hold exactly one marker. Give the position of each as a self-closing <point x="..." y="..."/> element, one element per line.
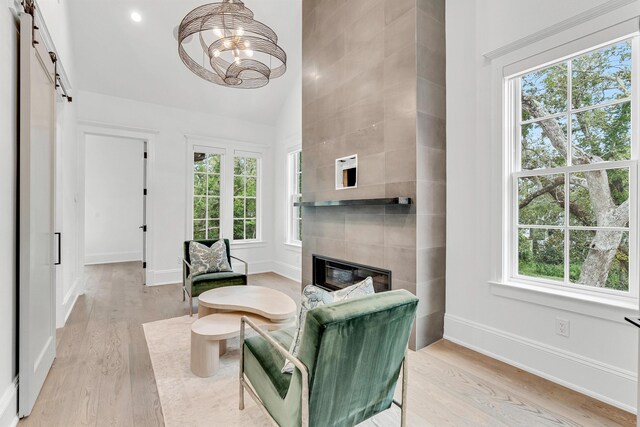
<point x="255" y="267"/>
<point x="607" y="383"/>
<point x="9" y="405"/>
<point x="289" y="271"/>
<point x="164" y="277"/>
<point x="112" y="257"/>
<point x="68" y="302"/>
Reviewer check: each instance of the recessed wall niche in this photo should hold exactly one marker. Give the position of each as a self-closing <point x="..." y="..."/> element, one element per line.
<point x="347" y="172"/>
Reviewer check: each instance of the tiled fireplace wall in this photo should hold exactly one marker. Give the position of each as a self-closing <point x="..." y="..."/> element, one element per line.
<point x="373" y="85"/>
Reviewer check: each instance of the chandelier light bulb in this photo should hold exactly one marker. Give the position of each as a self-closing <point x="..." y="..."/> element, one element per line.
<point x="218" y="32"/>
<point x="249" y="53"/>
<point x="227" y="44"/>
<point x="240" y="31"/>
<point x="237" y="59"/>
<point x="216" y="53"/>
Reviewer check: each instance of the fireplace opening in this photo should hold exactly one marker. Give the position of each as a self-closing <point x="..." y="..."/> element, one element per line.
<point x="334" y="274"/>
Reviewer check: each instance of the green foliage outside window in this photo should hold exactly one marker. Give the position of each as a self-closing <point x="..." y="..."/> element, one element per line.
<point x="206" y="196"/>
<point x="245" y="198"/>
<point x="586" y="211"/>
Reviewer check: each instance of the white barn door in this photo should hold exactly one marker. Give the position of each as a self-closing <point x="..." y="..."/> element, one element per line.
<point x="37" y="320"/>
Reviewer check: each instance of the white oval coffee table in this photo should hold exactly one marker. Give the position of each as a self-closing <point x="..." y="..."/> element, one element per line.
<point x="209" y="336"/>
<point x="219" y="314"/>
<point x="269" y="303"/>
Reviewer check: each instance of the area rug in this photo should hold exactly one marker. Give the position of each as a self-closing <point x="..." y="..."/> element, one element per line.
<point x="188" y="400"/>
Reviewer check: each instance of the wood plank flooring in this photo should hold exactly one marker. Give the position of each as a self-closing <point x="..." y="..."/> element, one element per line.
<point x="103" y="376"/>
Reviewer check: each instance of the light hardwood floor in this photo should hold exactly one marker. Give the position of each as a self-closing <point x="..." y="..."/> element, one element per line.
<point x="103" y="376"/>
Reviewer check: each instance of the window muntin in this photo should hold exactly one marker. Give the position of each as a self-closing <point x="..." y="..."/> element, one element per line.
<point x="206" y="195"/>
<point x="574" y="176"/>
<point x="245" y="198"/>
<point x="295" y="197"/>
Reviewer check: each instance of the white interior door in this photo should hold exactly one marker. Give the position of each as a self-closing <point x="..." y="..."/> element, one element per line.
<point x="37" y="327"/>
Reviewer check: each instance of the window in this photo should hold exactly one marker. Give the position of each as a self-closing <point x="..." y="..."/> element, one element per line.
<point x="574" y="172"/>
<point x="223" y="192"/>
<point x="245" y="198"/>
<point x="206" y="195"/>
<point x="295" y="196"/>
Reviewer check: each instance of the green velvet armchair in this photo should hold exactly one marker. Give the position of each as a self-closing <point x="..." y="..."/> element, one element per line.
<point x="349" y="363"/>
<point x="194" y="286"/>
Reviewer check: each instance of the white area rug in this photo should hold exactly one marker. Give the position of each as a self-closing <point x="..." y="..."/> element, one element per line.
<point x="188" y="400"/>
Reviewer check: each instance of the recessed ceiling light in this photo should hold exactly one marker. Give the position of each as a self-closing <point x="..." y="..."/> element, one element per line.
<point x="136" y="17"/>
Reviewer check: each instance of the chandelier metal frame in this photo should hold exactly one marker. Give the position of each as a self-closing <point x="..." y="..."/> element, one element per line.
<point x="236" y="33"/>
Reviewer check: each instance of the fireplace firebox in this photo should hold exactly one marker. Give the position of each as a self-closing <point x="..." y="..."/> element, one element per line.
<point x="334" y="274"/>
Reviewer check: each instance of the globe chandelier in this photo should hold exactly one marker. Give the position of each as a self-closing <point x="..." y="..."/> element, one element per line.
<point x="237" y="51"/>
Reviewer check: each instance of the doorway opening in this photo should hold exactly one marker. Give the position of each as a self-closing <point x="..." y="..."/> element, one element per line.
<point x="115" y="200"/>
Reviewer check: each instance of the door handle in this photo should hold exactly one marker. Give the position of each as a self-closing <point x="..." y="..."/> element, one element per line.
<point x="143" y="228"/>
<point x="59" y="248"/>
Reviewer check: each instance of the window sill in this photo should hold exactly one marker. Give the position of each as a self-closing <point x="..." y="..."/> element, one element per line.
<point x="611" y="309"/>
<point x="293" y="246"/>
<point x="250" y="244"/>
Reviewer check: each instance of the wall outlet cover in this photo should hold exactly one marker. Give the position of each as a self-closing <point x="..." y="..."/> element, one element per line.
<point x="563" y="327"/>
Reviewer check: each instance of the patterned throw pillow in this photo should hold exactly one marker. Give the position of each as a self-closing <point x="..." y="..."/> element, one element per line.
<point x="208" y="260"/>
<point x="313" y="297"/>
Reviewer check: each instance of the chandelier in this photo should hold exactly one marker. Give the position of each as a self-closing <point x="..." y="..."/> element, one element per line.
<point x="237" y="51"/>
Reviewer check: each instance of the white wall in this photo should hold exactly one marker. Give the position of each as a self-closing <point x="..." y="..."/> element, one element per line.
<point x="113" y="199"/>
<point x="288" y="258"/>
<point x="168" y="162"/>
<point x="600" y="356"/>
<point x="68" y="215"/>
<point x="8" y="225"/>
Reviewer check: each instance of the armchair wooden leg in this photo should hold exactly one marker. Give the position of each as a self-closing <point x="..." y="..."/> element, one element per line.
<point x="190" y="306"/>
<point x="184" y="295"/>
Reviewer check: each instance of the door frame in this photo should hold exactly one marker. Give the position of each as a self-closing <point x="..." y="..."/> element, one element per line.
<point x="89" y="128"/>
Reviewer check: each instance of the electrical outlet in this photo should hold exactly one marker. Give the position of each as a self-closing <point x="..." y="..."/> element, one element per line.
<point x="562" y="327"/>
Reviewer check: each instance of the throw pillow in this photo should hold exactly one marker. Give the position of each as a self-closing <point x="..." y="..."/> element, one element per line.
<point x="208" y="260"/>
<point x="313" y="297"/>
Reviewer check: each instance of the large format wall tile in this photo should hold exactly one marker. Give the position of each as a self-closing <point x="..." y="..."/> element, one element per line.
<point x="373" y="85"/>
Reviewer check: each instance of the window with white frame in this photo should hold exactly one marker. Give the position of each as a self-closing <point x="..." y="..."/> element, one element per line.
<point x="245" y="197"/>
<point x="295" y="198"/>
<point x="206" y="195"/>
<point x="223" y="193"/>
<point x="574" y="171"/>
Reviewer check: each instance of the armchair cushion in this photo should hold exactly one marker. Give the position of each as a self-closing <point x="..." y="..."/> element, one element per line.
<point x="270" y="359"/>
<point x="215" y="277"/>
<point x="210" y="281"/>
<point x="313" y="297"/>
<point x="186" y="244"/>
<point x="205" y="259"/>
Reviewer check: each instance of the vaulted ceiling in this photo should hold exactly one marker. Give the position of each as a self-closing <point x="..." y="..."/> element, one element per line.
<point x="116" y="56"/>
